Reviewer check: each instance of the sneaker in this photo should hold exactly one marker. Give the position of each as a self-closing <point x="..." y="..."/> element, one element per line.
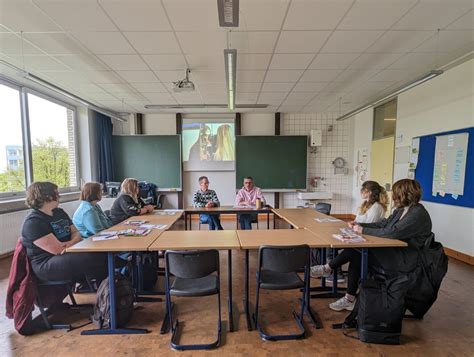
<point x="342" y="304"/>
<point x="318" y="271"/>
<point x="340" y="279"/>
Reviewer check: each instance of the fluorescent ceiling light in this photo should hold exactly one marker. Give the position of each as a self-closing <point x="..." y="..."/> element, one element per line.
<point x="203" y="106"/>
<point x="426" y="77"/>
<point x="230" y="58"/>
<point x="228" y="13"/>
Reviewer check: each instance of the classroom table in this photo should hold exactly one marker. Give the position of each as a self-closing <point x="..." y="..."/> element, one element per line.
<point x="187" y="240"/>
<point x="304" y="217"/>
<point x="122" y="244"/>
<point x="189" y="211"/>
<point x="279" y="237"/>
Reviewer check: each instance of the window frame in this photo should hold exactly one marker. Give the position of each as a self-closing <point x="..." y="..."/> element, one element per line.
<point x="26" y="137"/>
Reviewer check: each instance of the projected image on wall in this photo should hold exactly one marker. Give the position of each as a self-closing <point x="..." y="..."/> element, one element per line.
<point x="208" y="145"/>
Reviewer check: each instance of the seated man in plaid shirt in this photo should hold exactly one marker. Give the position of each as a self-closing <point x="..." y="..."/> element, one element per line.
<point x="207" y="198"/>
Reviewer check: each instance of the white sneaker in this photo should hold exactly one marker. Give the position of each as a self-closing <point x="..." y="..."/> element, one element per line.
<point x="318" y="271"/>
<point x="342" y="304"/>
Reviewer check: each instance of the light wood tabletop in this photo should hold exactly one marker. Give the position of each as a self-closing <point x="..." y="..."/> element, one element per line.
<point x="254" y="239"/>
<point x="186" y="240"/>
<point x="304" y="217"/>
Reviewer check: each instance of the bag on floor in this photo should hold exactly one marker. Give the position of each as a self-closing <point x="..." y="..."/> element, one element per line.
<point x="379" y="310"/>
<point x="150" y="271"/>
<point x="124" y="298"/>
<point x="427" y="278"/>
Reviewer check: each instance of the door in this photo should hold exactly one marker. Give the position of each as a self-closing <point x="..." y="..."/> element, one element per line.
<point x="381" y="164"/>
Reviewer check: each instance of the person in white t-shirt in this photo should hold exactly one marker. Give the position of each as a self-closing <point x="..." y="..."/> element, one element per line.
<point x="370" y="211"/>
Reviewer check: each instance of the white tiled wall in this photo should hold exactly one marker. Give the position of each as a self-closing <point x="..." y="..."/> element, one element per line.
<point x="336" y="143"/>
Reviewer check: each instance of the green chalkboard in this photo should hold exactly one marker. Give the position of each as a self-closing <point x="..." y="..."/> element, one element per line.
<point x="152" y="158"/>
<point x="274" y="162"/>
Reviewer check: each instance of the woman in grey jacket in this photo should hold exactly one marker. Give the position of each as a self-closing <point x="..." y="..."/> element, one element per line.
<point x="409" y="222"/>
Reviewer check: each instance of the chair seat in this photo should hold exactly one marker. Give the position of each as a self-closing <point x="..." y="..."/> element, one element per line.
<point x="54" y="282"/>
<point x="280" y="281"/>
<point x="195" y="287"/>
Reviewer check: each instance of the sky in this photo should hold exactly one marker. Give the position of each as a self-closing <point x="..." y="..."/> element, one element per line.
<point x="46" y="119"/>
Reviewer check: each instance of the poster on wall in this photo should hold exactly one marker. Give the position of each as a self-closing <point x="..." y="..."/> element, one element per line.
<point x="450" y="164"/>
<point x="362" y="167"/>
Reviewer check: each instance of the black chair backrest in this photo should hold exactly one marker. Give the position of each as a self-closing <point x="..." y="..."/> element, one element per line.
<point x="323" y="207"/>
<point x="192" y="264"/>
<point x="284" y="259"/>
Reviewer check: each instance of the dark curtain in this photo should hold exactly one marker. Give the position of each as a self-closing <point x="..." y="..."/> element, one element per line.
<point x="104" y="128"/>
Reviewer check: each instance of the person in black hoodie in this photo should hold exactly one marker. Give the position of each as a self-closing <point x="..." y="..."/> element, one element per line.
<point x="409" y="222"/>
<point x="128" y="204"/>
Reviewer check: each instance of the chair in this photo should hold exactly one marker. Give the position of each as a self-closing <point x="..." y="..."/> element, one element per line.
<point x="67" y="284"/>
<point x="277" y="270"/>
<point x="323" y="207"/>
<point x="255" y="220"/>
<point x="197" y="273"/>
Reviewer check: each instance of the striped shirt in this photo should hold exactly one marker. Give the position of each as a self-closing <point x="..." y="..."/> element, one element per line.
<point x="200" y="198"/>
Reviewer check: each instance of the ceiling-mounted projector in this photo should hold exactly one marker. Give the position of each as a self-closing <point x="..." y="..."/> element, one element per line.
<point x="184" y="85"/>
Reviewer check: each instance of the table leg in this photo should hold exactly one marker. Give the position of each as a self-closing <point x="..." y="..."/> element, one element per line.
<point x="113" y="330"/>
<point x="364" y="263"/>
<point x="268" y="220"/>
<point x="229" y="290"/>
<point x="246" y="296"/>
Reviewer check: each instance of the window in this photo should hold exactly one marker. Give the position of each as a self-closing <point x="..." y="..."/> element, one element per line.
<point x="52" y="142"/>
<point x="385" y="119"/>
<point x="49" y="126"/>
<point x="12" y="171"/>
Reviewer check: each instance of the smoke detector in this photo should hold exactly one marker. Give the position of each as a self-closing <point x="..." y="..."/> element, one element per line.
<point x="184" y="85"/>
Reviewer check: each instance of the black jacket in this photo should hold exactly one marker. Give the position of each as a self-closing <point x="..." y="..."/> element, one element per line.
<point x="414" y="229"/>
<point x="124" y="207"/>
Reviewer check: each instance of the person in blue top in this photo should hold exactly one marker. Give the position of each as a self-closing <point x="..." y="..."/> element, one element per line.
<point x="89" y="218"/>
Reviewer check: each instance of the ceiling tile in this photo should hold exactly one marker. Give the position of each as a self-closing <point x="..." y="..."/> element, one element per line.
<point x="189" y="15"/>
<point x="418" y="61"/>
<point x="137" y="76"/>
<point x="283" y="76"/>
<point x="355" y="75"/>
<point x="137" y="15"/>
<point x="399" y="41"/>
<point x="85" y="15"/>
<point x="262" y="14"/>
<point x="104" y="42"/>
<point x="209" y="76"/>
<point x="301" y="41"/>
<point x="350" y="41"/>
<point x="11" y="44"/>
<point x="290" y="108"/>
<point x="253" y="42"/>
<point x="274" y="98"/>
<point x="290" y="61"/>
<point x="207" y="61"/>
<point x="124" y="62"/>
<point x="171" y="76"/>
<point x="465" y="22"/>
<point x="320" y="75"/>
<point x="69" y="77"/>
<point x="253" y="61"/>
<point x="202" y="42"/>
<point x="390" y="75"/>
<point x="188" y="98"/>
<point x="150" y="87"/>
<point x="215" y="98"/>
<point x="315" y="15"/>
<point x="375" y="14"/>
<point x="54" y="43"/>
<point x="153" y="42"/>
<point x="277" y="87"/>
<point x="246" y="98"/>
<point x="214" y="87"/>
<point x="102" y="76"/>
<point x="39" y="63"/>
<point x="333" y="60"/>
<point x="298" y="98"/>
<point x="375" y="60"/>
<point x="313" y="87"/>
<point x="81" y="62"/>
<point x="248" y="87"/>
<point x="21" y="15"/>
<point x="160" y="98"/>
<point x="118" y="89"/>
<point x="99" y="96"/>
<point x="165" y="62"/>
<point x="448" y="41"/>
<point x="432" y="15"/>
<point x="250" y="76"/>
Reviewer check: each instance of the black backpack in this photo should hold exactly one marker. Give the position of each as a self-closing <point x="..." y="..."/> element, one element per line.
<point x="426" y="279"/>
<point x="150" y="271"/>
<point x="379" y="310"/>
<point x="125" y="297"/>
<point x="148" y="192"/>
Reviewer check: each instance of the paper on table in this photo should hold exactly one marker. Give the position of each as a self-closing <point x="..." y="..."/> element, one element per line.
<point x="110" y="237"/>
<point x="151" y="226"/>
<point x="322" y="220"/>
<point x="356" y="239"/>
